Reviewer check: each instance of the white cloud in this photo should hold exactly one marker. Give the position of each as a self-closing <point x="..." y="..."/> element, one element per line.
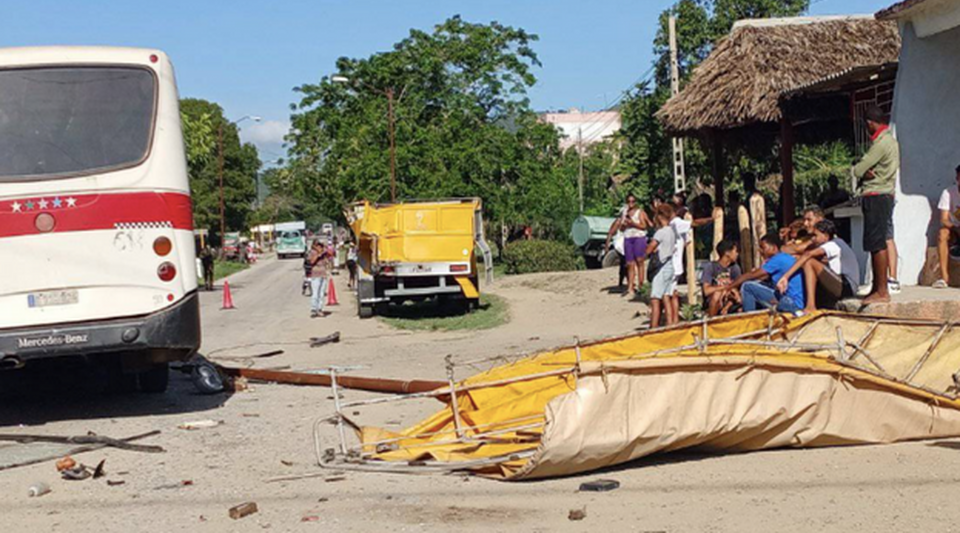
<point x="266" y="132"/>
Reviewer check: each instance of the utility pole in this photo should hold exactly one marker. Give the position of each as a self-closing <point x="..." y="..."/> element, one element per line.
<point x="679" y="174"/>
<point x="223" y="223"/>
<point x="580" y="152"/>
<point x="393" y="146"/>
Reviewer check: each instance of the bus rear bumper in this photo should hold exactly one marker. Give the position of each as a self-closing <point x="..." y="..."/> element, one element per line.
<point x="172" y="334"/>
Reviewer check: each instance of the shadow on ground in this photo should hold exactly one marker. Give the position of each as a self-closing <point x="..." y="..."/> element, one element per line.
<point x="50" y="394"/>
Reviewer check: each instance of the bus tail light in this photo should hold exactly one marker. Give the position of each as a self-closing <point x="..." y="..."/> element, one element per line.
<point x="45" y="222"/>
<point x="162" y="246"/>
<point x="166" y="271"/>
<point x="458" y="268"/>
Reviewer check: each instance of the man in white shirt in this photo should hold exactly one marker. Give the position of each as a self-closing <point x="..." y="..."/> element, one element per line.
<point x="683" y="231"/>
<point x="949" y="234"/>
<point x="830" y="266"/>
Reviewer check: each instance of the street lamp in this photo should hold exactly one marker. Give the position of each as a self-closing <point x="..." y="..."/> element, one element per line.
<point x="223" y="220"/>
<point x="388" y="92"/>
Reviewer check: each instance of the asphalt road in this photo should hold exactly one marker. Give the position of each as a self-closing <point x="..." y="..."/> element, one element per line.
<point x="265" y="432"/>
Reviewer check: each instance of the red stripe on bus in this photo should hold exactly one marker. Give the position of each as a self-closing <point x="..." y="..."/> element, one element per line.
<point x="86" y="212"/>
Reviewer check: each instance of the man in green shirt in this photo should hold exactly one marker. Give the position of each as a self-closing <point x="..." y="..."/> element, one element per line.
<point x="876" y="174"/>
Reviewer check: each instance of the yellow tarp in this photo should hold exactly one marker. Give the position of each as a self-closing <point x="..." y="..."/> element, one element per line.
<point x="638" y="395"/>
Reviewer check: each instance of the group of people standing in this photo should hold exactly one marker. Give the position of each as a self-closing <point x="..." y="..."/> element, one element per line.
<point x="805" y="266"/>
<point x="658" y="258"/>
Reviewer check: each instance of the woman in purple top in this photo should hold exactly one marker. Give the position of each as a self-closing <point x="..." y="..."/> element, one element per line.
<point x="633" y="222"/>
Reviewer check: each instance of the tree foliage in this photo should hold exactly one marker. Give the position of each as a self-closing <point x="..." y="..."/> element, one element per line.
<point x="201" y="122"/>
<point x="464" y="127"/>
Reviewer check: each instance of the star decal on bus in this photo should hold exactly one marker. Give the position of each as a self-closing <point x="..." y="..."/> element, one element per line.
<point x="16" y="207"/>
<point x="29" y="205"/>
<point x="57" y="202"/>
<point x="71" y="202"/>
<point x="43" y="203"/>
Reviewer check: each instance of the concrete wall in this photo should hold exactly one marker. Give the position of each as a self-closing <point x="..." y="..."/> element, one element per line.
<point x="926" y="117"/>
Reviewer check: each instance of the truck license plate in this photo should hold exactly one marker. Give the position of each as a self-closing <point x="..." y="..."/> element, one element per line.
<point x="51" y="298"/>
<point x="423" y="269"/>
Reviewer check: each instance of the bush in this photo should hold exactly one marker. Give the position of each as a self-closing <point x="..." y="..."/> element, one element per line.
<point x="525" y="257"/>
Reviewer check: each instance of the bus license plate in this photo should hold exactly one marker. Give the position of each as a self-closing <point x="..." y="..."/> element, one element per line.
<point x="51" y="298"/>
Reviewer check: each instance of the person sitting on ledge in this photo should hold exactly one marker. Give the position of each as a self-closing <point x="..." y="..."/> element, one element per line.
<point x="831" y="266"/>
<point x="949" y="233"/>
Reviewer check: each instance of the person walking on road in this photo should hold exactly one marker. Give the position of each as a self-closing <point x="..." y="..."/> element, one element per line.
<point x="206" y="261"/>
<point x="877" y="174"/>
<point x="319" y="270"/>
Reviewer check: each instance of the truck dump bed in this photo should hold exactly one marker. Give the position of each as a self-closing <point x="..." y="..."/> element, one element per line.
<point x="421" y="232"/>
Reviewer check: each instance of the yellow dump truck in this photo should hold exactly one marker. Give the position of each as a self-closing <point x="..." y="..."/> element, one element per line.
<point x="418" y="250"/>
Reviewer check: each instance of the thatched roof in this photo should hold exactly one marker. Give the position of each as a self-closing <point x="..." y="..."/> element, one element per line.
<point x="741" y="81"/>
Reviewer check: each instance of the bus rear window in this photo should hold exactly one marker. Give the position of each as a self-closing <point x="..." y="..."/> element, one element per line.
<point x="58" y="122"/>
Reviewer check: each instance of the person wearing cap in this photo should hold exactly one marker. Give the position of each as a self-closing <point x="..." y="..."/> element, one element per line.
<point x="876" y="173"/>
<point x="949" y="233"/>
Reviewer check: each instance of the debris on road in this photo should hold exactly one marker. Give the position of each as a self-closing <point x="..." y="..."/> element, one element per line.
<point x="200" y="424"/>
<point x="600" y="485"/>
<point x="77" y="473"/>
<point x="38" y="489"/>
<point x="115" y="482"/>
<point x="34" y="449"/>
<point x="242" y="510"/>
<point x="184" y="483"/>
<point x="575" y="515"/>
<point x="98" y="472"/>
<point x="310" y="518"/>
<point x="91" y="438"/>
<point x="550" y="414"/>
<point x="394" y="386"/>
<point x="66" y="463"/>
<point x="320" y="341"/>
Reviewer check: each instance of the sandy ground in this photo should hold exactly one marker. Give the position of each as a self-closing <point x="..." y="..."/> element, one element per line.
<point x="266" y="433"/>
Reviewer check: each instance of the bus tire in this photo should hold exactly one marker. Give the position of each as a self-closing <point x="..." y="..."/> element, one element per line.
<point x="156" y="379"/>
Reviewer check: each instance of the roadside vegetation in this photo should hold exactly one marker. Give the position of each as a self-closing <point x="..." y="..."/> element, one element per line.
<point x="222" y="269"/>
<point x="432" y="315"/>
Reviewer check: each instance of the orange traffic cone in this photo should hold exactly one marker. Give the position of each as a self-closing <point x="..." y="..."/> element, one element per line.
<point x="227" y="298"/>
<point x="332" y="294"/>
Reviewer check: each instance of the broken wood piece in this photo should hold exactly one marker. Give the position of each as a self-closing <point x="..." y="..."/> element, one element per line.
<point x="320" y="341"/>
<point x="254" y="356"/>
<point x="242" y="510"/>
<point x="395" y="386"/>
<point x="87" y="439"/>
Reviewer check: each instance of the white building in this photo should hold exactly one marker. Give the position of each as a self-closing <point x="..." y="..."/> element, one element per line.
<point x="577" y="127"/>
<point x="926" y="118"/>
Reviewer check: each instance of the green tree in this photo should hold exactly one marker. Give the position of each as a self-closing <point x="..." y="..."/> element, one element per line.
<point x="464" y="127"/>
<point x="201" y="123"/>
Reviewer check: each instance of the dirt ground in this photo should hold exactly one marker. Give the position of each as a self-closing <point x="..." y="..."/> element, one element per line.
<point x="266" y="432"/>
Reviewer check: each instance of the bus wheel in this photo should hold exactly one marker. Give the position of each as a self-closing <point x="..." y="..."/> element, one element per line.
<point x="156" y="379"/>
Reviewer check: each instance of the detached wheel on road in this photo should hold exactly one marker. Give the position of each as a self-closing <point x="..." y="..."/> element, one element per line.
<point x="156" y="379"/>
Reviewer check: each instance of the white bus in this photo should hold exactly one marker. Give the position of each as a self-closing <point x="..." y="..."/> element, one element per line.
<point x="96" y="225"/>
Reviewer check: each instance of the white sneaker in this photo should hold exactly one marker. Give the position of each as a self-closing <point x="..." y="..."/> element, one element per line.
<point x="864" y="290"/>
<point x="893" y="286"/>
<point x="940" y="284"/>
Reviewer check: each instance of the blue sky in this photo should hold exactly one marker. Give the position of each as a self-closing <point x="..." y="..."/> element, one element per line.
<point x="248" y="55"/>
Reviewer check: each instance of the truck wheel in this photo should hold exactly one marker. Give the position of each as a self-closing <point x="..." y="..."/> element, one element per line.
<point x="365" y="310"/>
<point x="156" y="379"/>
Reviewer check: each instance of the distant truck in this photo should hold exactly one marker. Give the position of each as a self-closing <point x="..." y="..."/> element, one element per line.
<point x="419" y="250"/>
<point x="589" y="234"/>
<point x="291" y="239"/>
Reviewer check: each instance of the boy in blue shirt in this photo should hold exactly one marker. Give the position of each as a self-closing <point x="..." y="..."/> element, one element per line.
<point x="757" y="286"/>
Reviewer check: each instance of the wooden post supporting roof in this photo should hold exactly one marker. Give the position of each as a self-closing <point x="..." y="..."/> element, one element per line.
<point x="786" y="169"/>
<point x="719" y="198"/>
